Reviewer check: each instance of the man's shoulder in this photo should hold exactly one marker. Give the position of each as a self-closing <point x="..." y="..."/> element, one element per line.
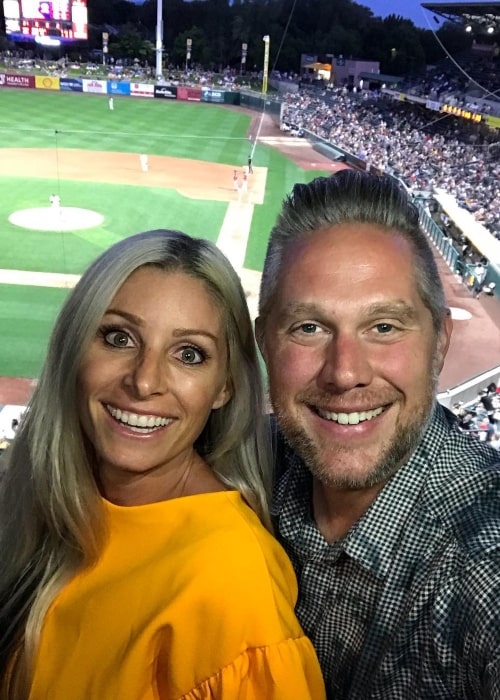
<point x="462" y="460"/>
<point x="463" y="492"/>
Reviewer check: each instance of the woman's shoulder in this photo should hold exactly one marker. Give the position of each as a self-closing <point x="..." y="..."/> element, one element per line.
<point x="229" y="520"/>
<point x="244" y="566"/>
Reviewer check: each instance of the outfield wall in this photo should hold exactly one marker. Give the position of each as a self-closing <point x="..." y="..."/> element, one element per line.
<point x="120" y="88"/>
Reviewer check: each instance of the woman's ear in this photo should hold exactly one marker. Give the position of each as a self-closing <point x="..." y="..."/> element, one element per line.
<point x="224" y="395"/>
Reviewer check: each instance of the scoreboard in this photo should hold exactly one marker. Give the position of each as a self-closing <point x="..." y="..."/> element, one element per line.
<point x="38" y="20"/>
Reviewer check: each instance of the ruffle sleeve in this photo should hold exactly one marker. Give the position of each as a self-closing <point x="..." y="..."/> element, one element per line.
<point x="288" y="670"/>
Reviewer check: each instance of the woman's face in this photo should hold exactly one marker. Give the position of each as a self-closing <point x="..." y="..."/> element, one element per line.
<point x="151" y="376"/>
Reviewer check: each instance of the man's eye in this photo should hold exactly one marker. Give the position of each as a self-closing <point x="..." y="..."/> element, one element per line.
<point x="118" y="339"/>
<point x="384" y="327"/>
<point x="308" y="328"/>
<point x="191" y="356"/>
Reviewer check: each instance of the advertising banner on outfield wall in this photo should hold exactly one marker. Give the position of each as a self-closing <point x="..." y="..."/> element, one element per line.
<point x="71" y="84"/>
<point x="189" y="94"/>
<point x="142" y="90"/>
<point x="19" y="81"/>
<point x="211" y="95"/>
<point x="95" y="86"/>
<point x="46" y="82"/>
<point x="117" y="88"/>
<point x="167" y="92"/>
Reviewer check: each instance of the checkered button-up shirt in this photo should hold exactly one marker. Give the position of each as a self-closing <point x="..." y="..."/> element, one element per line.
<point x="407" y="604"/>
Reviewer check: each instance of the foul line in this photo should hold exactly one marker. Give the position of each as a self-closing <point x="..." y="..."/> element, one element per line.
<point x="38" y="279"/>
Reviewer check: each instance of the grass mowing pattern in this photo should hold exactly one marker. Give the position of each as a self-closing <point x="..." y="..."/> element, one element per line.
<point x="31" y="118"/>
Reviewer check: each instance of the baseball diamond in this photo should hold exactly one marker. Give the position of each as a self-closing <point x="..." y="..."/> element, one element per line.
<point x="71" y="145"/>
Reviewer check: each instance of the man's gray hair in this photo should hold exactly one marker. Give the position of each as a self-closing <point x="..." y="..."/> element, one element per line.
<point x="352" y="196"/>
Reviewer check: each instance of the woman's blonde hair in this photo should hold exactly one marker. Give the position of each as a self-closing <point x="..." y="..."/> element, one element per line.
<point x="51" y="514"/>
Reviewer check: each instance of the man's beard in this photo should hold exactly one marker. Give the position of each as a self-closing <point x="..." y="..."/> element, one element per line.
<point x="394" y="453"/>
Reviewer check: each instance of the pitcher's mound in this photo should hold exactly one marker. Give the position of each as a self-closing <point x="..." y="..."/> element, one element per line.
<point x="56" y="218"/>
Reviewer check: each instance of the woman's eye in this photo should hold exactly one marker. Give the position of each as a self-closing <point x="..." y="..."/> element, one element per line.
<point x="118" y="339"/>
<point x="191" y="356"/>
<point x="384" y="327"/>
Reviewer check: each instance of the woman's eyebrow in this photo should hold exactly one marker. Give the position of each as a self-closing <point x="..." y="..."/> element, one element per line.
<point x="125" y="314"/>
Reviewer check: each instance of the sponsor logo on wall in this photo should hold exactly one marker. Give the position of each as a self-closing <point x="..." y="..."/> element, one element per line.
<point x="45" y="82"/>
<point x="168" y="92"/>
<point x="71" y="84"/>
<point x="210" y="95"/>
<point x="95" y="86"/>
<point x="116" y="87"/>
<point x="20" y="81"/>
<point x="142" y="90"/>
<point x="189" y="94"/>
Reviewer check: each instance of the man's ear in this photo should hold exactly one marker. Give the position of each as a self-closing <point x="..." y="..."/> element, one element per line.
<point x="444" y="338"/>
<point x="259" y="335"/>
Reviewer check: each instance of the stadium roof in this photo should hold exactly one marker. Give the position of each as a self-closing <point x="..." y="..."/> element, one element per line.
<point x="482" y="13"/>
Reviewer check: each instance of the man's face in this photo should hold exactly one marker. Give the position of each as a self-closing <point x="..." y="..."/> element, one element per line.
<point x="351" y="353"/>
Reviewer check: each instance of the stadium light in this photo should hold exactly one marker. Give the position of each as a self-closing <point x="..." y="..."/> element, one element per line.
<point x="490" y="30"/>
<point x="468" y="28"/>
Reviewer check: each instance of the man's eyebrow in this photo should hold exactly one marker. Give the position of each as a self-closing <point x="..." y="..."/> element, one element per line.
<point x="401" y="309"/>
<point x="294" y="310"/>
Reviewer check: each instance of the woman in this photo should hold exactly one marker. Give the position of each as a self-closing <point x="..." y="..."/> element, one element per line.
<point x="134" y="563"/>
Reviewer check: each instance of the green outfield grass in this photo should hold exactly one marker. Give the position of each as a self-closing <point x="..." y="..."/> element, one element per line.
<point x="40" y="119"/>
<point x="126" y="209"/>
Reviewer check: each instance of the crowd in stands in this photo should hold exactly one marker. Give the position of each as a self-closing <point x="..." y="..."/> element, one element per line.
<point x="470" y="80"/>
<point x="226" y="78"/>
<point x="425" y="149"/>
<point x="481" y="418"/>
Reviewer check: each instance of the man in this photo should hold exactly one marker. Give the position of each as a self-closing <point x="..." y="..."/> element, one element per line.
<point x="390" y="514"/>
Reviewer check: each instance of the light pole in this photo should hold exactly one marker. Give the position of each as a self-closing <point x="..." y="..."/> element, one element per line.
<point x="244" y="48"/>
<point x="105" y="38"/>
<point x="189" y="43"/>
<point x="266" y="41"/>
<point x="159" y="39"/>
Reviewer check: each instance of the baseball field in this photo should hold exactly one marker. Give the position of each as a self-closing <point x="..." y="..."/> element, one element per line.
<point x="73" y="146"/>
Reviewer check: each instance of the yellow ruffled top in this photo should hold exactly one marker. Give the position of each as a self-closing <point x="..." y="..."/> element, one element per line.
<point x="192" y="598"/>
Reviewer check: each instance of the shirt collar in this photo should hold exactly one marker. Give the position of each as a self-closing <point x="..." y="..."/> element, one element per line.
<point x="372" y="540"/>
